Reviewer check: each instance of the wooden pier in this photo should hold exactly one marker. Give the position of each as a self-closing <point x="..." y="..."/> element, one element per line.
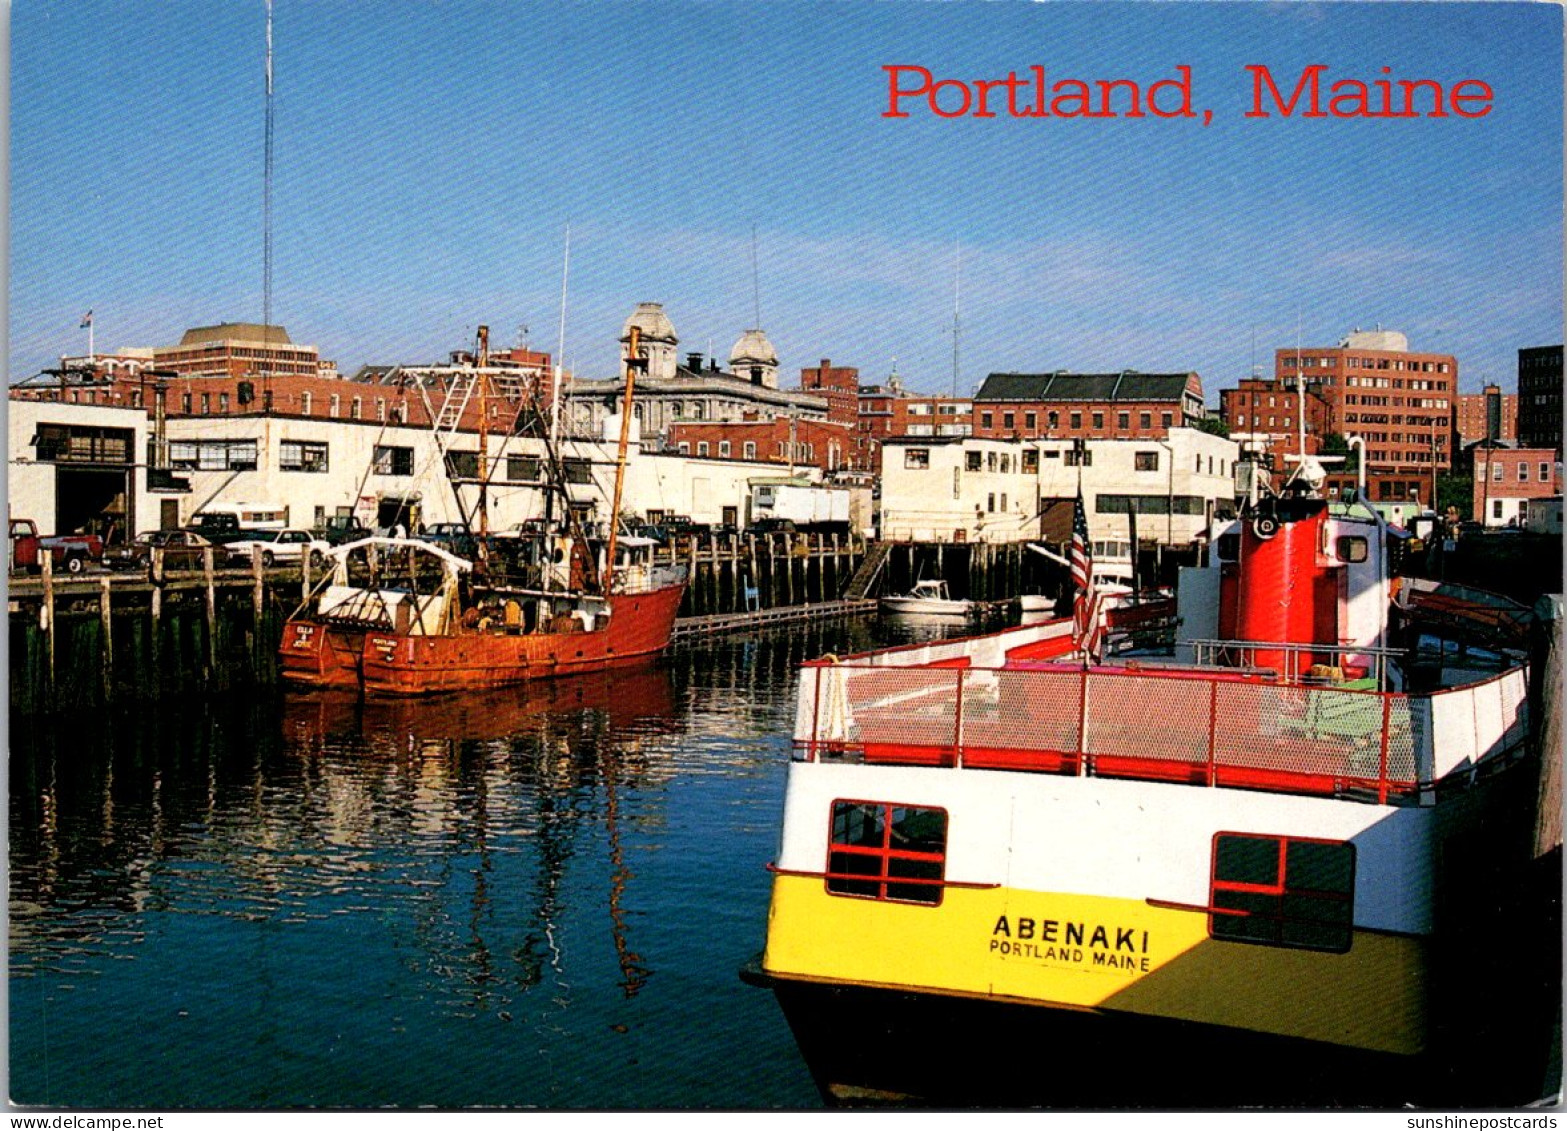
<point x="687" y="628"/>
<point x="80" y="641"/>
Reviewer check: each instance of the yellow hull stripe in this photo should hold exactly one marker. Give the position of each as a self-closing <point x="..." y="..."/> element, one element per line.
<point x="1096" y="952"/>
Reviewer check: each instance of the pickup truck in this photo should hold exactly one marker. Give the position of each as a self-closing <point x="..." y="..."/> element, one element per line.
<point x="341" y="529"/>
<point x="72" y="551"/>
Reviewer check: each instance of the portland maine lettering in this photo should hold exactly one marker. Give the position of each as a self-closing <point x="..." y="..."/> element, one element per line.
<point x="1312" y="93"/>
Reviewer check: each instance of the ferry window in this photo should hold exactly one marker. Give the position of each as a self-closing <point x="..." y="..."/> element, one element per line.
<point x="916" y="458"/>
<point x="1351" y="549"/>
<point x="875" y="845"/>
<point x="1291" y="892"/>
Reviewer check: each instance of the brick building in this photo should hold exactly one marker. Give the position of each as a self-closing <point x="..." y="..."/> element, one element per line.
<point x="1398" y="401"/>
<point x="1491" y="414"/>
<point x="839" y="386"/>
<point x="1540" y="397"/>
<point x="236" y="370"/>
<point x="873" y="422"/>
<point x="1507" y="479"/>
<point x="1096" y="406"/>
<point x="1264" y="419"/>
<point x="241" y="350"/>
<point x="932" y="416"/>
<point x="786" y="441"/>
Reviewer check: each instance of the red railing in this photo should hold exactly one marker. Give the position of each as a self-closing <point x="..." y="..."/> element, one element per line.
<point x="1198" y="728"/>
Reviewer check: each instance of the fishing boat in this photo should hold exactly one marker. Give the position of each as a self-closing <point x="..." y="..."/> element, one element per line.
<point x="929" y="597"/>
<point x="401" y="616"/>
<point x="1279" y="864"/>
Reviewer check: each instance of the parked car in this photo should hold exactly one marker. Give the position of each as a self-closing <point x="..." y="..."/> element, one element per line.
<point x="182" y="549"/>
<point x="341" y="529"/>
<point x="279" y="546"/>
<point x="71" y="552"/>
<point x="454" y="537"/>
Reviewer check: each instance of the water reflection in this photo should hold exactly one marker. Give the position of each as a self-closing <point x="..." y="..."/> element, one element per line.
<point x="538" y="895"/>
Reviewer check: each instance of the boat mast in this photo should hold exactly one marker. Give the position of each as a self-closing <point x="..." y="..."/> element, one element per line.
<point x="634" y="361"/>
<point x="484" y="430"/>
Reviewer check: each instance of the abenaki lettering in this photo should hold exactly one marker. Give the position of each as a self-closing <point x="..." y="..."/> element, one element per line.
<point x="1071" y="941"/>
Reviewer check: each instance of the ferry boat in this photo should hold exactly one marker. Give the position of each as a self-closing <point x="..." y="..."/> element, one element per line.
<point x="1276" y="866"/>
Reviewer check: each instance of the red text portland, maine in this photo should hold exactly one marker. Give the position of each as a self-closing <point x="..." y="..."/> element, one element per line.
<point x="1313" y="92"/>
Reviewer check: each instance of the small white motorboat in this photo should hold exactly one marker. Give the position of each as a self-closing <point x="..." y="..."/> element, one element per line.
<point x="928" y="598"/>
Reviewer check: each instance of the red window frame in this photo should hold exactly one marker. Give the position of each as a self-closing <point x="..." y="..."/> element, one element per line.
<point x="879" y="868"/>
<point x="1286" y="911"/>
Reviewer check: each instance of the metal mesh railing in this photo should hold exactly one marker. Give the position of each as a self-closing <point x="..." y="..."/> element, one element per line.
<point x="1185" y="727"/>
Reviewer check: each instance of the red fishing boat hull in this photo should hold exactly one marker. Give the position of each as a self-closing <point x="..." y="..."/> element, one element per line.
<point x="314" y="654"/>
<point x="639" y="626"/>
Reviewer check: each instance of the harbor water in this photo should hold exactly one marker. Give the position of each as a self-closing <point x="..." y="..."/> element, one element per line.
<point x="539" y="897"/>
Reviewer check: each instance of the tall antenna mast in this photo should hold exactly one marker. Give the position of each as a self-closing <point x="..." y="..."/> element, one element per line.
<point x="266" y="200"/>
<point x="957" y="302"/>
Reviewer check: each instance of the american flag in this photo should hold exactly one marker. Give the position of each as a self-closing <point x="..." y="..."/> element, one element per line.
<point x="1085" y="603"/>
<point x="86" y="320"/>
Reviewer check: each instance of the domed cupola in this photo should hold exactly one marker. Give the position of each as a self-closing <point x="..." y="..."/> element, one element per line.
<point x="754" y="359"/>
<point x="658" y="338"/>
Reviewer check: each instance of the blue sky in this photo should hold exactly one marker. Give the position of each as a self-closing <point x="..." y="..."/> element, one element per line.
<point x="429" y="156"/>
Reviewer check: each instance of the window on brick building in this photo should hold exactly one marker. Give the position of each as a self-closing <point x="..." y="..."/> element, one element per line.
<point x="750" y="449"/>
<point x="1077" y="421"/>
<point x="724" y="448"/>
<point x="1523" y="472"/>
<point x="1123" y="420"/>
<point x="1145" y="420"/>
<point x="1099" y="421"/>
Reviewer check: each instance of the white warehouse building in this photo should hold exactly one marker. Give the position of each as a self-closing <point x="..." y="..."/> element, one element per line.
<point x="980" y="490"/>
